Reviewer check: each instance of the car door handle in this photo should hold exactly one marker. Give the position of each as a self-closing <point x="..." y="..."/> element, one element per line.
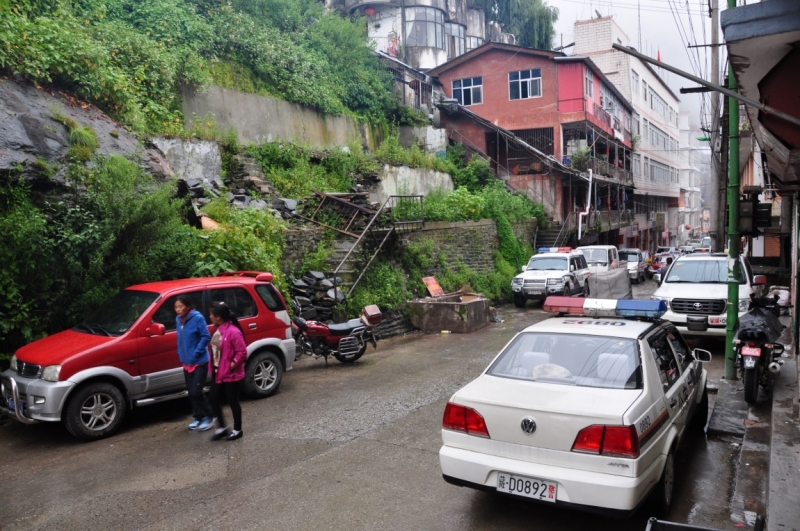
<point x="674" y="402"/>
<point x="251" y="326"/>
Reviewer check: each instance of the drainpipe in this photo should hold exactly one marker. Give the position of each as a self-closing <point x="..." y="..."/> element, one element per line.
<point x="588" y="205"/>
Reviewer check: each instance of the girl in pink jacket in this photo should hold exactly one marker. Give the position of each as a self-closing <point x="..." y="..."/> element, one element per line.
<point x="226" y="365"/>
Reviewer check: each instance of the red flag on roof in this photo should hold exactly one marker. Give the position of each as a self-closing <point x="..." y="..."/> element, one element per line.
<point x="659" y="55"/>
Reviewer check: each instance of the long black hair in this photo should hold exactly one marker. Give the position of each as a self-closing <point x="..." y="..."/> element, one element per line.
<point x="224" y="312"/>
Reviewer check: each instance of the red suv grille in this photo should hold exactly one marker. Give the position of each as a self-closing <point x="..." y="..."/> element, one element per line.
<point x="28" y="370"/>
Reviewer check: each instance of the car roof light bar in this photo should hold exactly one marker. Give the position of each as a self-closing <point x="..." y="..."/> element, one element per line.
<point x="631" y="308"/>
<point x="570" y="305"/>
<point x="555" y="249"/>
<point x="600" y="307"/>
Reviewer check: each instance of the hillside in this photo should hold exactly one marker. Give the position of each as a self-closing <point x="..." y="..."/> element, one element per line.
<point x="129" y="57"/>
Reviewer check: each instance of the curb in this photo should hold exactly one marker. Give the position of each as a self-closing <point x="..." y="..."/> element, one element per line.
<point x="783" y="509"/>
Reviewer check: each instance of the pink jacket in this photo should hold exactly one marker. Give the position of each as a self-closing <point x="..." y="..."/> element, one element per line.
<point x="232" y="349"/>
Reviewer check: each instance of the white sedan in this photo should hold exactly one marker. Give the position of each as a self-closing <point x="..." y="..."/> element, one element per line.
<point x="584" y="410"/>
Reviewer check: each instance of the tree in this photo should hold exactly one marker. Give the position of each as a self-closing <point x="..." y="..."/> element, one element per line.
<point x="531" y="21"/>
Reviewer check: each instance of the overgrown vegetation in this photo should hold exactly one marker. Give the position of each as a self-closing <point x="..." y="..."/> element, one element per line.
<point x="129" y="57"/>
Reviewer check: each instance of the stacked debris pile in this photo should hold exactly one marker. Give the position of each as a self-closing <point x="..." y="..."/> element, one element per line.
<point x="316" y="295"/>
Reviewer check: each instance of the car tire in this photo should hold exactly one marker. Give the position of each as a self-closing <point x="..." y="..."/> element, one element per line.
<point x="751" y="378"/>
<point x="663" y="492"/>
<point x="567" y="291"/>
<point x="263" y="375"/>
<point x="519" y="301"/>
<point x="95" y="411"/>
<point x="700" y="418"/>
<point x="586" y="292"/>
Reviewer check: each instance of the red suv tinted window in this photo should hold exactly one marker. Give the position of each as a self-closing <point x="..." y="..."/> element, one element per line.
<point x="270" y="297"/>
<point x="238" y="299"/>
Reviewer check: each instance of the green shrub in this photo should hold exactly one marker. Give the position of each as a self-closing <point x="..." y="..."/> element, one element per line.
<point x="83" y="136"/>
<point x="79" y="154"/>
<point x="383" y="284"/>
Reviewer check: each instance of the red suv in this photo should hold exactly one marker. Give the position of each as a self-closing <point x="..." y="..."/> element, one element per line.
<point x="124" y="355"/>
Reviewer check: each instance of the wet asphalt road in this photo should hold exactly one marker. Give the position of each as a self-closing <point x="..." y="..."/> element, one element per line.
<point x="344" y="448"/>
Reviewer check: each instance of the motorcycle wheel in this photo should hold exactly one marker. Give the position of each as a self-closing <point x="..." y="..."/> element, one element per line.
<point x="751" y="378"/>
<point x="352" y="357"/>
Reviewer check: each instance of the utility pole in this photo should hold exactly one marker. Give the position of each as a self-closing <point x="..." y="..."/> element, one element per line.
<point x="716" y="205"/>
<point x="733" y="221"/>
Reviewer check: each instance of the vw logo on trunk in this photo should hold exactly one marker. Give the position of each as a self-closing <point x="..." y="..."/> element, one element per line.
<point x="698" y="306"/>
<point x="528" y="425"/>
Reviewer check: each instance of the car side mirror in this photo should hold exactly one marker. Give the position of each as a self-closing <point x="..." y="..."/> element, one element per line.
<point x="657" y="278"/>
<point x="524" y="268"/>
<point x="759" y="280"/>
<point x="572" y="267"/>
<point x="701" y="355"/>
<point x="156" y="329"/>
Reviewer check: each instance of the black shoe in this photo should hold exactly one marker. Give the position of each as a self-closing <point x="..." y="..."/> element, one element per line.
<point x="219" y="436"/>
<point x="233" y="436"/>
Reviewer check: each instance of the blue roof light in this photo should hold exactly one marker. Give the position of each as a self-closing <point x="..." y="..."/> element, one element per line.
<point x="641" y="308"/>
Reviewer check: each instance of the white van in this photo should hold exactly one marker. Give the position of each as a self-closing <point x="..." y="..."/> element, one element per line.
<point x="601" y="258"/>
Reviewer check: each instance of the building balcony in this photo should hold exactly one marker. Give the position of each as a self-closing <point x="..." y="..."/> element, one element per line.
<point x="602" y="115"/>
<point x="601" y="167"/>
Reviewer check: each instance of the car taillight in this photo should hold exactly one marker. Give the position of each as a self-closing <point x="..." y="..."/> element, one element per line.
<point x="466" y="419"/>
<point x="589" y="440"/>
<point x="619" y="441"/>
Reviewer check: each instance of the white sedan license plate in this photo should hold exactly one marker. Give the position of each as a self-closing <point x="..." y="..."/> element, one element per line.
<point x="718" y="320"/>
<point x="537" y="489"/>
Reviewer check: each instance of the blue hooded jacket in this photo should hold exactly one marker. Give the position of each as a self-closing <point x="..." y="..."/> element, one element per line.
<point x="193" y="338"/>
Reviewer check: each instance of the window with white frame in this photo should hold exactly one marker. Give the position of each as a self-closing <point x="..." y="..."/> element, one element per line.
<point x="644" y="90"/>
<point x="647" y="168"/>
<point x="424" y="27"/>
<point x="525" y="84"/>
<point x="634" y="82"/>
<point x="589" y="82"/>
<point x="637" y="164"/>
<point x="645" y="131"/>
<point x="468" y="91"/>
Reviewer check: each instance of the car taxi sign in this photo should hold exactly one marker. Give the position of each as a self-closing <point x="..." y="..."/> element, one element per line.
<point x="606" y="307"/>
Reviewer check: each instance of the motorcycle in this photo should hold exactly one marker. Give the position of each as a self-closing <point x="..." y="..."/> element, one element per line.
<point x="346" y="341"/>
<point x="756" y="348"/>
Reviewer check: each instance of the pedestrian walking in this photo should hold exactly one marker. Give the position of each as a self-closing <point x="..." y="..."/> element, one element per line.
<point x="193" y="338"/>
<point x="228" y="354"/>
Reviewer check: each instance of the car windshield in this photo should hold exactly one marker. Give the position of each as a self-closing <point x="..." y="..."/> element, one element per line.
<point x="630" y="257"/>
<point x="545" y="263"/>
<point x="116" y="316"/>
<point x="701" y="271"/>
<point x="595" y="255"/>
<point x="569" y="359"/>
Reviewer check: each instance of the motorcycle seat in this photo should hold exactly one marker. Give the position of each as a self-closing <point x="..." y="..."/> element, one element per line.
<point x="345" y="328"/>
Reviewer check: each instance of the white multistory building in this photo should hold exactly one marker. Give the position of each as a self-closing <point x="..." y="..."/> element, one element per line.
<point x="693" y="153"/>
<point x="656" y="160"/>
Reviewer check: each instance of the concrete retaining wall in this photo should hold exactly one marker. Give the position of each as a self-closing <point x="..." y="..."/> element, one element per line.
<point x="192" y="159"/>
<point x="260" y="119"/>
<point x="469" y="242"/>
<point x="298" y="244"/>
<point x="396" y="180"/>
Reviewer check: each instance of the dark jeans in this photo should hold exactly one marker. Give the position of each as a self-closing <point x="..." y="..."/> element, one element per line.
<point x="195" y="381"/>
<point x="231" y="391"/>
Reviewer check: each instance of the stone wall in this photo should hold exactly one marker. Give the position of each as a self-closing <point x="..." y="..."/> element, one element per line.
<point x="298" y="244"/>
<point x="470" y="242"/>
<point x="259" y="119"/>
<point x="524" y="230"/>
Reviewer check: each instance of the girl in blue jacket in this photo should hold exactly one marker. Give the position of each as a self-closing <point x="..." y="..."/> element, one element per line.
<point x="193" y="338"/>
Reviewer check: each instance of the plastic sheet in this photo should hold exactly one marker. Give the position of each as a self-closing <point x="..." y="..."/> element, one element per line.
<point x="612" y="284"/>
<point x="763" y="319"/>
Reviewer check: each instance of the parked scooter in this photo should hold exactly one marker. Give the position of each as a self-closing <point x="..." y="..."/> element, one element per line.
<point x="756" y="348"/>
<point x="346" y="342"/>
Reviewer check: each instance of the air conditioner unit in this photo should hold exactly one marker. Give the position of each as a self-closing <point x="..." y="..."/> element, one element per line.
<point x="652" y="216"/>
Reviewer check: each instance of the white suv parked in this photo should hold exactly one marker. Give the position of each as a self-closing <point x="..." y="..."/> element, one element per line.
<point x="554" y="271"/>
<point x="696" y="286"/>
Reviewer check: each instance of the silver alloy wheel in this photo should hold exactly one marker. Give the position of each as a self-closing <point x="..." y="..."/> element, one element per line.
<point x="265" y="375"/>
<point x="98" y="411"/>
<point x="669" y="478"/>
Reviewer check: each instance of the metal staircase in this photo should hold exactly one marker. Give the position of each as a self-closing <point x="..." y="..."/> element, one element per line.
<point x="399" y="213"/>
